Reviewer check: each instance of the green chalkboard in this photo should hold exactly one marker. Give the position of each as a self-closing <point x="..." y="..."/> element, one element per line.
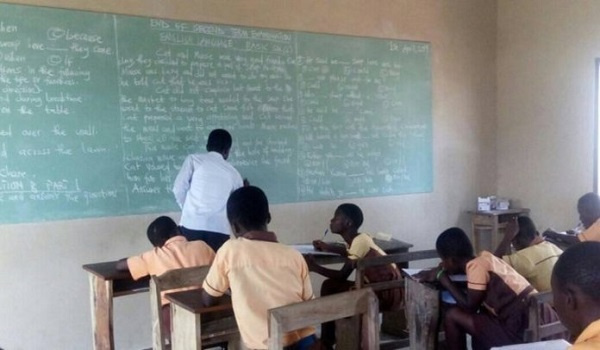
<point x="98" y="111"/>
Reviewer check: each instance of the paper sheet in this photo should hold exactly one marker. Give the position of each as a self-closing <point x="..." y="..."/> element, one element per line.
<point x="309" y="249"/>
<point x="559" y="344"/>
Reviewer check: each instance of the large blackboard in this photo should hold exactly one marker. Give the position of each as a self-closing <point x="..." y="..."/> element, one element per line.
<point x="98" y="111"/>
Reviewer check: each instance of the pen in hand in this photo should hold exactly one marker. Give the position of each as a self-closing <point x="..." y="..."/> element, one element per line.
<point x="324" y="234"/>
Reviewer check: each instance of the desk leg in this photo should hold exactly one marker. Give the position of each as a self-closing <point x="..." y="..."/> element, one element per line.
<point x="102" y="312"/>
<point x="185" y="329"/>
<point x="495" y="238"/>
<point x="422" y="311"/>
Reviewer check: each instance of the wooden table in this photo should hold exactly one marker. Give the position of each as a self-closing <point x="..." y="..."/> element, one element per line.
<point x="106" y="282"/>
<point x="192" y="322"/>
<point x="393" y="246"/>
<point x="493" y="221"/>
<point x="422" y="313"/>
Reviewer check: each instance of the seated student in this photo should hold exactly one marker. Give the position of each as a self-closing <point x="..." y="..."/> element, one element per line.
<point x="494" y="309"/>
<point x="261" y="273"/>
<point x="588" y="207"/>
<point x="534" y="258"/>
<point x="576" y="291"/>
<point x="171" y="251"/>
<point x="345" y="222"/>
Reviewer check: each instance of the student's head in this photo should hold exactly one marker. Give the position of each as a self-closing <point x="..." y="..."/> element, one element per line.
<point x="527" y="233"/>
<point x="347" y="217"/>
<point x="161" y="229"/>
<point x="247" y="210"/>
<point x="455" y="249"/>
<point x="219" y="140"/>
<point x="588" y="207"/>
<point x="576" y="286"/>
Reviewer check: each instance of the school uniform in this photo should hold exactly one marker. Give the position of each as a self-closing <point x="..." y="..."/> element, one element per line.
<point x="503" y="316"/>
<point x="535" y="263"/>
<point x="592" y="233"/>
<point x="363" y="246"/>
<point x="589" y="339"/>
<point x="176" y="253"/>
<point x="261" y="275"/>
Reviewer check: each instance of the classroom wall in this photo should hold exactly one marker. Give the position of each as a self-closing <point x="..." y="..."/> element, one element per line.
<point x="45" y="298"/>
<point x="546" y="90"/>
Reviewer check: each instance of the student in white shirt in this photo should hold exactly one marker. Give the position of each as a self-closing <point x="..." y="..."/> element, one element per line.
<point x="202" y="188"/>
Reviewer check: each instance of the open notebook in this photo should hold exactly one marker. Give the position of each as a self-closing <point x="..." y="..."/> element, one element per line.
<point x="559" y="344"/>
<point x="445" y="295"/>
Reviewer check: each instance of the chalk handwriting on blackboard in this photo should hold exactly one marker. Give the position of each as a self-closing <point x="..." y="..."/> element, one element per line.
<point x="99" y="110"/>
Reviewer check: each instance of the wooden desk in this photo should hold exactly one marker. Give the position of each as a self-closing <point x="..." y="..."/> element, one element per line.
<point x="106" y="282"/>
<point x="393" y="246"/>
<point x="423" y="314"/>
<point x="192" y="322"/>
<point x="492" y="221"/>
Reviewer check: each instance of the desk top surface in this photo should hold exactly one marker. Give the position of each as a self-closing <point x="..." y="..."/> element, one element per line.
<point x="515" y="211"/>
<point x="108" y="270"/>
<point x="191" y="300"/>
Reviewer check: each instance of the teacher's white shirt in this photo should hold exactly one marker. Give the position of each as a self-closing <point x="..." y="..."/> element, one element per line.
<point x="202" y="188"/>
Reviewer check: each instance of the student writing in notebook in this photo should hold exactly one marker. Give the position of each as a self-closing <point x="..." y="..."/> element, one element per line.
<point x="345" y="222"/>
<point x="534" y="258"/>
<point x="494" y="308"/>
<point x="576" y="291"/>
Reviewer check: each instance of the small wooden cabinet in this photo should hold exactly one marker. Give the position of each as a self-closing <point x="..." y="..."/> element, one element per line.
<point x="491" y="223"/>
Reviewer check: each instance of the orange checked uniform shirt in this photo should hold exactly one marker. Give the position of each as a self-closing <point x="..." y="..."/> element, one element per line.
<point x="589" y="339"/>
<point x="176" y="253"/>
<point x="261" y="275"/>
<point x="592" y="233"/>
<point x="502" y="283"/>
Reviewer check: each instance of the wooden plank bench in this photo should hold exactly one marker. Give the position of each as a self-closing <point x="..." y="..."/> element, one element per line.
<point x="361" y="302"/>
<point x="400" y="259"/>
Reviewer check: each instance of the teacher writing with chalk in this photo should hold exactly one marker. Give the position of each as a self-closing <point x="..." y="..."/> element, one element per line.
<point x="202" y="188"/>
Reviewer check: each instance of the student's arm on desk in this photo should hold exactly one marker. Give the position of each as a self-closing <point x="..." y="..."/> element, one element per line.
<point x="469" y="301"/>
<point x="332" y="248"/>
<point x="209" y="300"/>
<point x="340" y="275"/>
<point x="122" y="265"/>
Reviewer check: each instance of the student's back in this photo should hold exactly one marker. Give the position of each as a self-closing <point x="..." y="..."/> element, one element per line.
<point x="535" y="263"/>
<point x="261" y="273"/>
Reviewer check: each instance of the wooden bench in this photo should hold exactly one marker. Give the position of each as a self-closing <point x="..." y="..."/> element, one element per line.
<point x="537" y="329"/>
<point x="195" y="326"/>
<point x="401" y="260"/>
<point x="186" y="310"/>
<point x="361" y="302"/>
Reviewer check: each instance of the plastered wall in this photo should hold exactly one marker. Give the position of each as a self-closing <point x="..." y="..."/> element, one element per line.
<point x="45" y="298"/>
<point x="546" y="93"/>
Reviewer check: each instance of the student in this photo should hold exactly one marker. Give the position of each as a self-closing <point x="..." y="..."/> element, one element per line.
<point x="201" y="189"/>
<point x="345" y="222"/>
<point x="576" y="291"/>
<point x="494" y="308"/>
<point x="171" y="251"/>
<point x="588" y="207"/>
<point x="534" y="258"/>
<point x="261" y="273"/>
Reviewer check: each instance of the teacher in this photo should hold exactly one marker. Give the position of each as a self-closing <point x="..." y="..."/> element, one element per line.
<point x="202" y="188"/>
